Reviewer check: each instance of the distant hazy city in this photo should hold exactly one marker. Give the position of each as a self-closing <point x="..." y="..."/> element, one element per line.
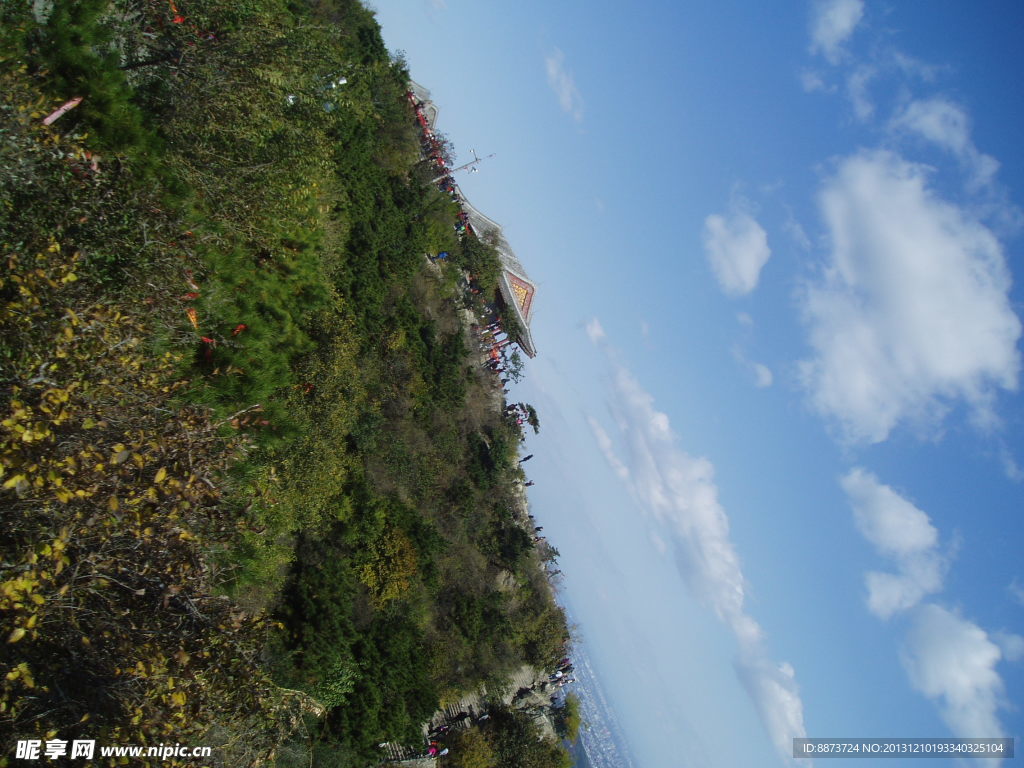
<point x="602" y="743"/>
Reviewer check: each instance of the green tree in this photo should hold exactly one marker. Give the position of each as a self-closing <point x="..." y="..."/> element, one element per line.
<point x="568" y="718"/>
<point x="472" y="748"/>
<point x="515" y="367"/>
<point x="531" y="418"/>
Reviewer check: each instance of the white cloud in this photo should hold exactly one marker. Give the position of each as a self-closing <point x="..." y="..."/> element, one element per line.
<point x="604" y="442"/>
<point x="792" y="228"/>
<point x="947" y="658"/>
<point x="833" y="23"/>
<point x="892" y="593"/>
<point x="1010" y="644"/>
<point x="914" y="67"/>
<point x="762" y="375"/>
<point x="902" y="532"/>
<point x="857" y="90"/>
<point x="659" y="543"/>
<point x="912" y="314"/>
<point x="775" y="693"/>
<point x="895" y="526"/>
<point x="1010" y="466"/>
<point x="563" y="84"/>
<point x="937" y="120"/>
<point x="948" y="126"/>
<point x="594" y="331"/>
<point x="1016" y="591"/>
<point x="953" y="661"/>
<point x="737" y="248"/>
<point x="679" y="492"/>
<point x="812" y="82"/>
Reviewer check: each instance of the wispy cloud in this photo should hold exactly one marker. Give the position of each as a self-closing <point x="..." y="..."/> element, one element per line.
<point x="562" y="83"/>
<point x="604" y="443"/>
<point x="797" y="233"/>
<point x="912" y="313"/>
<point x="594" y="330"/>
<point x="1016" y="591"/>
<point x="760" y="373"/>
<point x="1010" y="466"/>
<point x="737" y="249"/>
<point x="1010" y="644"/>
<point x="679" y="492"/>
<point x="813" y="82"/>
<point x="763" y="376"/>
<point x="953" y="661"/>
<point x="857" y="90"/>
<point x="832" y="24"/>
<point x="947" y="125"/>
<point x="901" y="532"/>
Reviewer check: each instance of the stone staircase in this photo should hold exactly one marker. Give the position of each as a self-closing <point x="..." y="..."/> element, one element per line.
<point x="397" y="754"/>
<point x="459" y="715"/>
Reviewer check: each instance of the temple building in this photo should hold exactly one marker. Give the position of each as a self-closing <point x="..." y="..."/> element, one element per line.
<point x="515" y="287"/>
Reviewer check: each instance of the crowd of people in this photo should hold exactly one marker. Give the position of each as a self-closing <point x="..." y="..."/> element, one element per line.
<point x="495" y="347"/>
<point x="434" y="151"/>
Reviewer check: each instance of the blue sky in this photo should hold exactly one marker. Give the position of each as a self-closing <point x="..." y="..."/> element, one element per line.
<point x="778" y="250"/>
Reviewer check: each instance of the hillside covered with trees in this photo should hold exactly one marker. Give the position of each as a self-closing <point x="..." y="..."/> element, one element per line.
<point x="258" y="492"/>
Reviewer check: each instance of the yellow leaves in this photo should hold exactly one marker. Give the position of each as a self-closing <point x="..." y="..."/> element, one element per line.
<point x="20" y="484"/>
<point x="113" y="504"/>
<point x="16" y="635"/>
<point x="178" y="699"/>
<point x="160" y="475"/>
<point x="22" y="672"/>
<point x="13" y="481"/>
